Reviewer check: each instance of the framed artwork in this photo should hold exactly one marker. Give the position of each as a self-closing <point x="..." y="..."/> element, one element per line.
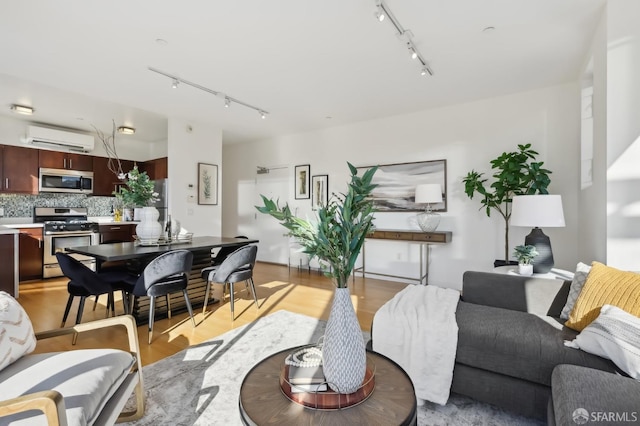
<point x="207" y="184"/>
<point x="319" y="191"/>
<point x="302" y="180"/>
<point x="397" y="185"/>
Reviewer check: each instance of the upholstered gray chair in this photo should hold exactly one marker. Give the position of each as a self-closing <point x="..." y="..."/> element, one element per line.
<point x="238" y="266"/>
<point x="166" y="274"/>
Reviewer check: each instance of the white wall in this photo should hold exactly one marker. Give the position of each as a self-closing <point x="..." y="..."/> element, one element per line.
<point x="623" y="134"/>
<point x="189" y="144"/>
<point x="468" y="136"/>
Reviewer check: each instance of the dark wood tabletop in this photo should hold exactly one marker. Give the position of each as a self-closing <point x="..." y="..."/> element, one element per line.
<point x="128" y="251"/>
<point x="393" y="401"/>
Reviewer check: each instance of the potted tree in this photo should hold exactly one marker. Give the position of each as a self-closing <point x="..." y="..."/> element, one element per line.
<point x="525" y="254"/>
<point x="515" y="173"/>
<point x="336" y="237"/>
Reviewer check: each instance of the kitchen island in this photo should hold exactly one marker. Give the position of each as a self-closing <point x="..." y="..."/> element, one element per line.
<point x="138" y="256"/>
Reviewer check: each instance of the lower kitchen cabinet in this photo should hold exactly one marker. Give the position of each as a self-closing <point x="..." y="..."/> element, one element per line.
<point x="8" y="256"/>
<point x="31" y="254"/>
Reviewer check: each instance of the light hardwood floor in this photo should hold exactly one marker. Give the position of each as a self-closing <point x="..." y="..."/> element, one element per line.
<point x="276" y="286"/>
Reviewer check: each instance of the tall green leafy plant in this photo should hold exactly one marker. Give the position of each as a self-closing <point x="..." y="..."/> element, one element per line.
<point x="515" y="173"/>
<point x="341" y="227"/>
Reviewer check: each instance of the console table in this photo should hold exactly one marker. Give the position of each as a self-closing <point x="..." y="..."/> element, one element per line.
<point x="424" y="239"/>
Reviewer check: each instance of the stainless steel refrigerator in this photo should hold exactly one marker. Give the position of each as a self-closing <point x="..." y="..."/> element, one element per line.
<point x="161" y="186"/>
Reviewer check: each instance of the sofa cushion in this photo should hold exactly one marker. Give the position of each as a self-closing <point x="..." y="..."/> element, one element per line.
<point x="517" y="344"/>
<point x="86" y="379"/>
<point x="584" y="395"/>
<point x="579" y="278"/>
<point x="605" y="286"/>
<point x="16" y="332"/>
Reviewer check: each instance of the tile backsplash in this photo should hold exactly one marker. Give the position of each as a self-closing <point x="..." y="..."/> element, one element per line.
<point x="17" y="205"/>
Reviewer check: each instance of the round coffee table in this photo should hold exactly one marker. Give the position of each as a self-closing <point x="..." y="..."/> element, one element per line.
<point x="393" y="402"/>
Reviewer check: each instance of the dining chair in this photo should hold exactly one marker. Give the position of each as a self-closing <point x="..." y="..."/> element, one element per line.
<point x="238" y="266"/>
<point x="166" y="274"/>
<point x="225" y="251"/>
<point x="84" y="282"/>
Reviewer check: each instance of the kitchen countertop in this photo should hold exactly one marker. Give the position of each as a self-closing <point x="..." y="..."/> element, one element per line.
<point x="7" y="230"/>
<point x="27" y="222"/>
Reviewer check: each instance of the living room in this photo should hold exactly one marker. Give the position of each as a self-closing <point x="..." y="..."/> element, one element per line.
<point x="467" y="133"/>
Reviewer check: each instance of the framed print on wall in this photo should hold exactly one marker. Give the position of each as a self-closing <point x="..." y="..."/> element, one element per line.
<point x="319" y="191"/>
<point x="397" y="185"/>
<point x="303" y="182"/>
<point x="207" y="184"/>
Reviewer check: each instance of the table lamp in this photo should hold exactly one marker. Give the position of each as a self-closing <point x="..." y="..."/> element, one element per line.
<point x="428" y="194"/>
<point x="538" y="211"/>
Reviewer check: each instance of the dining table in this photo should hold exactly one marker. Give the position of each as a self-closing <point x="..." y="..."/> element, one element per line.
<point x="135" y="256"/>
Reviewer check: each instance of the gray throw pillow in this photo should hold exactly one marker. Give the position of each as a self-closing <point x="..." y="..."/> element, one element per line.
<point x="579" y="278"/>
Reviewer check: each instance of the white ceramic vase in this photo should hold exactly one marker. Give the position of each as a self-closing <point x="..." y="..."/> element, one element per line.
<point x="525" y="269"/>
<point x="344" y="356"/>
<point x="149" y="229"/>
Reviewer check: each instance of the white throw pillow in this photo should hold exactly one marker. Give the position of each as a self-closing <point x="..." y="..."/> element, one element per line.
<point x="16" y="332"/>
<point x="579" y="278"/>
<point x="614" y="335"/>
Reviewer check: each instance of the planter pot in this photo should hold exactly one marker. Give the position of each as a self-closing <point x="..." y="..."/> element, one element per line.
<point x="149" y="230"/>
<point x="526" y="270"/>
<point x="344" y="356"/>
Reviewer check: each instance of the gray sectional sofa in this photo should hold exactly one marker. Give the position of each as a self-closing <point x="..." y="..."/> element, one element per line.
<point x="510" y="340"/>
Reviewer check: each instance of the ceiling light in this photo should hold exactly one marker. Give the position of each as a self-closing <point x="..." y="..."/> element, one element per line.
<point x="414" y="54"/>
<point x="22" y="109"/>
<point x="227" y="99"/>
<point x="126" y="130"/>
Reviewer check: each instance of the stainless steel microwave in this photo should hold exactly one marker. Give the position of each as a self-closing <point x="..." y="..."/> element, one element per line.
<point x="61" y="180"/>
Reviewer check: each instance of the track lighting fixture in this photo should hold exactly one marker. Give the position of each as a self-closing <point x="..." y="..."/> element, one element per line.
<point x="227" y="99"/>
<point x="383" y="10"/>
<point x="125" y="130"/>
<point x="22" y="109"/>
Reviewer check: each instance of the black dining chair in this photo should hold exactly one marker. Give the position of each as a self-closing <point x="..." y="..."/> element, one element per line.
<point x="84" y="282"/>
<point x="167" y="273"/>
<point x="238" y="266"/>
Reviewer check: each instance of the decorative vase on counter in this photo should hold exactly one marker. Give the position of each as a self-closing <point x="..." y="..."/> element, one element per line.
<point x="344" y="355"/>
<point x="149" y="229"/>
<point x="137" y="214"/>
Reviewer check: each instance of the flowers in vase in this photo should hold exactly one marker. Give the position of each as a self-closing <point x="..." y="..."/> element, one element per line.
<point x="138" y="191"/>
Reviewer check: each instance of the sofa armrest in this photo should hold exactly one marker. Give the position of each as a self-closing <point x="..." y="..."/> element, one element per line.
<point x="50" y="403"/>
<point x="540" y="296"/>
<point x="129" y="323"/>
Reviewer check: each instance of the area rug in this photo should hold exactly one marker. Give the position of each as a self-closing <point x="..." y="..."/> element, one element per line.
<point x="201" y="384"/>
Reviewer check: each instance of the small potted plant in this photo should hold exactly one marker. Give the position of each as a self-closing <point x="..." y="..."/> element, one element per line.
<point x="525" y="254"/>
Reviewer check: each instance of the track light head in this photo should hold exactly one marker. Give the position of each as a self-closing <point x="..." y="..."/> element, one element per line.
<point x="263" y="115"/>
<point x="227" y="102"/>
<point x="379" y="14"/>
<point x="175" y="83"/>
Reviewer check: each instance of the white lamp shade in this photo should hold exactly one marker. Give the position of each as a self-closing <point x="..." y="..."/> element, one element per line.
<point x="428" y="193"/>
<point x="544" y="211"/>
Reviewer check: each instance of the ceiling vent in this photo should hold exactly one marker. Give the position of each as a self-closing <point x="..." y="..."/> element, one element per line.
<point x="59" y="139"/>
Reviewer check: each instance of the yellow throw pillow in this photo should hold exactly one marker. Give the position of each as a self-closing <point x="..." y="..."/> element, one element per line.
<point x="605" y="286"/>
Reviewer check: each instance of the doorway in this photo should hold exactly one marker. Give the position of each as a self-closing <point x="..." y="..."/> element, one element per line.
<point x="274" y="242"/>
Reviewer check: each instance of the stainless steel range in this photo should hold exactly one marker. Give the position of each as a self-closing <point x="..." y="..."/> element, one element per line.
<point x="65" y="227"/>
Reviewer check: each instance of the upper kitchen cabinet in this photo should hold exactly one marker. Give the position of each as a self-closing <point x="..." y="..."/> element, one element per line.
<point x="19" y="169"/>
<point x="104" y="180"/>
<point x="156" y="169"/>
<point x="65" y="160"/>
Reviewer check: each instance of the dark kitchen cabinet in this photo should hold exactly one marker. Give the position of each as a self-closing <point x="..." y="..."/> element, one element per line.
<point x="104" y="180"/>
<point x="119" y="232"/>
<point x="19" y="169"/>
<point x="156" y="169"/>
<point x="31" y="254"/>
<point x="65" y="160"/>
<point x="8" y="255"/>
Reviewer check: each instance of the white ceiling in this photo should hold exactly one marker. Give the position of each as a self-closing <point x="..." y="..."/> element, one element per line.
<point x="310" y="64"/>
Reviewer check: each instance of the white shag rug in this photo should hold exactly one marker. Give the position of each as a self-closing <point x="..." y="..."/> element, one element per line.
<point x="201" y="384"/>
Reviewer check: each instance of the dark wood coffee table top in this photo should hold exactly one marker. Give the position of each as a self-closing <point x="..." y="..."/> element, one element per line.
<point x="393" y="402"/>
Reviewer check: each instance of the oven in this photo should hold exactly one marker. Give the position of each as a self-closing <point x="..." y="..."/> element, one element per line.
<point x="65" y="227"/>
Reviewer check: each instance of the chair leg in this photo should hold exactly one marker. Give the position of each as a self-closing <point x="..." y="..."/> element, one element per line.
<point x="95" y="302"/>
<point x="166" y="296"/>
<point x="253" y="290"/>
<point x="111" y="310"/>
<point x="206" y="297"/>
<point x="231" y="297"/>
<point x="79" y="318"/>
<point x="188" y="302"/>
<point x="125" y="302"/>
<point x="152" y="308"/>
<point x="66" y="310"/>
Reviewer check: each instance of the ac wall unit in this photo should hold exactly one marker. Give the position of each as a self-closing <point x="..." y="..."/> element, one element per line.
<point x="59" y="139"/>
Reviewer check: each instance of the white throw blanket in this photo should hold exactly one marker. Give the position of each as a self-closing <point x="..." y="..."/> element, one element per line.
<point x="418" y="330"/>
